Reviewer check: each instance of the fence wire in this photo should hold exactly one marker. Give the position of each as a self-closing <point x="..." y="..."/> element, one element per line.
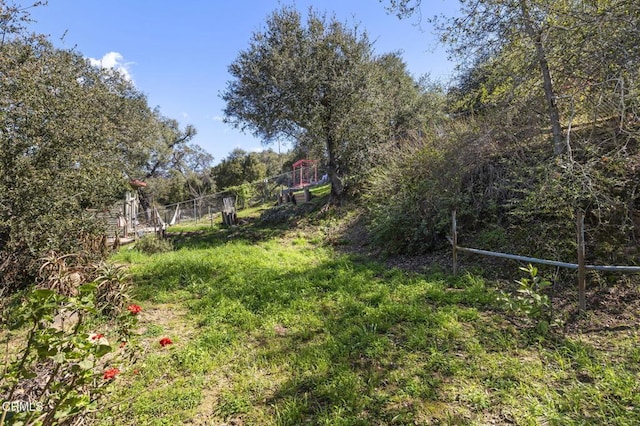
<point x="132" y="219"/>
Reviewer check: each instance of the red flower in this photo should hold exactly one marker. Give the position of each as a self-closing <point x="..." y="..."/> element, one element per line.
<point x="97" y="336"/>
<point x="165" y="341"/>
<point x="111" y="373"/>
<point x="134" y="309"/>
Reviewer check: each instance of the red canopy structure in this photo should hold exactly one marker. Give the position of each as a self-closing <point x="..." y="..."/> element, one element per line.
<point x="137" y="183"/>
<point x="305" y="172"/>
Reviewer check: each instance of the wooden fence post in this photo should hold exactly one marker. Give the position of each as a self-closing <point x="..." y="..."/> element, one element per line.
<point x="128" y="216"/>
<point x="229" y="217"/>
<point x="454" y="241"/>
<point x="154" y="221"/>
<point x="582" y="304"/>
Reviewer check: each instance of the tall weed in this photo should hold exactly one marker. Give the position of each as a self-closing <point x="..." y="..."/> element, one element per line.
<point x="411" y="196"/>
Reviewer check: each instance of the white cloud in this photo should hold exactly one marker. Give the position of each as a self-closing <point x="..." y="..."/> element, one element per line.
<point x="113" y="60"/>
<point x="218" y="118"/>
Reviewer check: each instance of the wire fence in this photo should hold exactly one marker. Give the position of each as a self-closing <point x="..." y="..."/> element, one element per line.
<point x="134" y="218"/>
<point x="581" y="265"/>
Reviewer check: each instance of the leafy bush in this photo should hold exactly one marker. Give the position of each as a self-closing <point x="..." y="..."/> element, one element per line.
<point x="530" y="301"/>
<point x="113" y="291"/>
<point x="70" y="133"/>
<point x="244" y="194"/>
<point x="510" y="194"/>
<point x="410" y="196"/>
<point x="601" y="180"/>
<point x="150" y="244"/>
<point x="60" y="371"/>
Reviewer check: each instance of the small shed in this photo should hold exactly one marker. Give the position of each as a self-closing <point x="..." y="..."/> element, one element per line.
<point x="305" y="172"/>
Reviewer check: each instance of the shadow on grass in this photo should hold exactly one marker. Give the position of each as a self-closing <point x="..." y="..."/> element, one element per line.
<point x="273" y="223"/>
<point x="216" y="236"/>
<point x="345" y="341"/>
<point x="379" y="353"/>
<point x="357" y="344"/>
<point x="390" y="352"/>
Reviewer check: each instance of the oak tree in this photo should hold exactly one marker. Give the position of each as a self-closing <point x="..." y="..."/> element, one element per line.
<point x="308" y="82"/>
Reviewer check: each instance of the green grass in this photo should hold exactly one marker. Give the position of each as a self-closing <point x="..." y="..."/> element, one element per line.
<point x="321" y="190"/>
<point x="281" y="330"/>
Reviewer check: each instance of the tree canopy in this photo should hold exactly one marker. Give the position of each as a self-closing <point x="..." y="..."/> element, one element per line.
<point x="517" y="52"/>
<point x="318" y="83"/>
<point x="530" y="72"/>
<point x="71" y="137"/>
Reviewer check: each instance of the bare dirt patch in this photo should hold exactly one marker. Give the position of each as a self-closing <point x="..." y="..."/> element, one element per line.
<point x="171" y="318"/>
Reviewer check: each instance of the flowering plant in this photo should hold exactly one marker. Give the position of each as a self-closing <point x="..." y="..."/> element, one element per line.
<point x="111" y="373"/>
<point x="165" y="341"/>
<point x="98" y="338"/>
<point x="134" y="309"/>
<point x="63" y="355"/>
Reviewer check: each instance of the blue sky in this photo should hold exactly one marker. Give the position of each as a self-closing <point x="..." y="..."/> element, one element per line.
<point x="177" y="52"/>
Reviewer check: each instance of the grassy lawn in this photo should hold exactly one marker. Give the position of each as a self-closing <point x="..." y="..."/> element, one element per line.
<point x="271" y="327"/>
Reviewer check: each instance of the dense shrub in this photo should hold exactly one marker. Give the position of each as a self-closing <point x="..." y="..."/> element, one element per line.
<point x="150" y="244"/>
<point x="72" y="135"/>
<point x="510" y="193"/>
<point x="411" y="196"/>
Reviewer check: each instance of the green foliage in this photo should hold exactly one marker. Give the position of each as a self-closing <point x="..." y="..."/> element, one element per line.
<point x="113" y="288"/>
<point x="284" y="333"/>
<point x="410" y="196"/>
<point x="186" y="174"/>
<point x="509" y="193"/>
<point x="151" y="244"/>
<point x="244" y="194"/>
<point x="494" y="238"/>
<point x="510" y="50"/>
<point x="599" y="180"/>
<point x="530" y="300"/>
<point x="63" y="366"/>
<point x="72" y="136"/>
<point x="338" y="93"/>
<point x="241" y="167"/>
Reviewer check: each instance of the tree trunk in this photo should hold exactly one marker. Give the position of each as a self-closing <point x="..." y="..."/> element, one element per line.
<point x="145" y="203"/>
<point x="554" y="114"/>
<point x="337" y="188"/>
